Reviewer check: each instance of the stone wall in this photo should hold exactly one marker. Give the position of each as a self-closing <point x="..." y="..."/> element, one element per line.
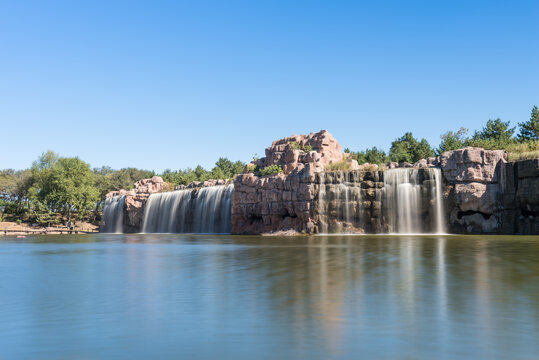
<point x="520" y="200"/>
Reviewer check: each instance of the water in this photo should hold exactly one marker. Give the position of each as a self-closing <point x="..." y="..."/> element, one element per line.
<point x="206" y="210"/>
<point x="113" y="214"/>
<point x="164" y="296"/>
<point x="413" y="201"/>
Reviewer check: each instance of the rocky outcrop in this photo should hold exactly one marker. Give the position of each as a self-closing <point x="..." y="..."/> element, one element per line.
<point x="474" y="180"/>
<point x="284" y="201"/>
<point x="295" y="152"/>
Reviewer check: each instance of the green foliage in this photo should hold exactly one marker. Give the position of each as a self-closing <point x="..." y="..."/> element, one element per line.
<point x="270" y="170"/>
<point x="339" y="165"/>
<point x="67" y="185"/>
<point x="375" y="156"/>
<point x="252" y="168"/>
<point x="529" y="130"/>
<point x="41" y="214"/>
<point x="495" y="135"/>
<point x="297" y="146"/>
<point x="452" y="141"/>
<point x="408" y="149"/>
<point x="223" y="169"/>
<point x="108" y="179"/>
<point x="14" y="188"/>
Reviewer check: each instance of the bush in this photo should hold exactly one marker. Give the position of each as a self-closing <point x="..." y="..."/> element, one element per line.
<point x="339" y="165"/>
<point x="252" y="168"/>
<point x="296" y="146"/>
<point x="270" y="170"/>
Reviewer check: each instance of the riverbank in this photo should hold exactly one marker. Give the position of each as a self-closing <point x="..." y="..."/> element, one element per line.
<point x="14" y="228"/>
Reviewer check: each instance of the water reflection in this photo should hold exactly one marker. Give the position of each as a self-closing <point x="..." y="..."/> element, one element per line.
<point x="165" y="295"/>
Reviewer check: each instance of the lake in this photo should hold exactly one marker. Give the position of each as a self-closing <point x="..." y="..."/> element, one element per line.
<point x="251" y="297"/>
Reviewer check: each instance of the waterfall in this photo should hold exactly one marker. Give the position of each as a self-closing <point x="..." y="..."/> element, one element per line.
<point x="339" y="203"/>
<point x="403" y="201"/>
<point x="412" y="200"/>
<point x="113" y="214"/>
<point x="205" y="210"/>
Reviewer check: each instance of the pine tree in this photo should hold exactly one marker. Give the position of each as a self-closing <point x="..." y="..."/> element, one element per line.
<point x="529" y="130"/>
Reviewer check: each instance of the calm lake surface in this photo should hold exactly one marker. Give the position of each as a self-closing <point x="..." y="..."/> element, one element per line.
<point x="225" y="297"/>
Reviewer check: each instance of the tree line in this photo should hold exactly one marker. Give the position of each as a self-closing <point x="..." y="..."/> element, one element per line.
<point x="496" y="134"/>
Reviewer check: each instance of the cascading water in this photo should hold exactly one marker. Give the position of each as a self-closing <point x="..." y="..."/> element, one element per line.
<point x="404" y="201"/>
<point x="206" y="210"/>
<point x="412" y="201"/>
<point x="339" y="202"/>
<point x="113" y="214"/>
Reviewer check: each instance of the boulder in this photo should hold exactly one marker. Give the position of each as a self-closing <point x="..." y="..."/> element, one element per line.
<point x="472" y="164"/>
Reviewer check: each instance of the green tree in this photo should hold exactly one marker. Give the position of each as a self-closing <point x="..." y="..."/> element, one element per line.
<point x="375" y="156"/>
<point x="67" y="186"/>
<point x="495" y="135"/>
<point x="226" y="169"/>
<point x="529" y="130"/>
<point x="452" y="141"/>
<point x="408" y="149"/>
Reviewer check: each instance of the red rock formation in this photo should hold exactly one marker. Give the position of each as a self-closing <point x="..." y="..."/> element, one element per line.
<point x="285" y="201"/>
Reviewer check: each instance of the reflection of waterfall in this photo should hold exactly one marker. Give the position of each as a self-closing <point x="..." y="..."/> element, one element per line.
<point x="113" y="214"/>
<point x="206" y="210"/>
<point x="413" y="201"/>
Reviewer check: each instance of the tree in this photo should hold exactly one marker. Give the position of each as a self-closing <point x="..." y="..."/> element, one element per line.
<point x="226" y="169"/>
<point x="408" y="149"/>
<point x="375" y="156"/>
<point x="14" y="188"/>
<point x="529" y="130"/>
<point x="66" y="186"/>
<point x="452" y="141"/>
<point x="495" y="135"/>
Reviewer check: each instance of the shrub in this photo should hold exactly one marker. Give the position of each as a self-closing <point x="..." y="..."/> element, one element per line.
<point x="252" y="168"/>
<point x="339" y="165"/>
<point x="297" y="146"/>
<point x="270" y="170"/>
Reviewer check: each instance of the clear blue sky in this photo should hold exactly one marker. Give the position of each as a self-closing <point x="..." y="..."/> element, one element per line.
<point x="170" y="84"/>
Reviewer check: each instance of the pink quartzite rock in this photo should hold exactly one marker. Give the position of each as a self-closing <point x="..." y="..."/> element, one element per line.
<point x="294" y="152"/>
<point x="284" y="202"/>
<point x="472" y="165"/>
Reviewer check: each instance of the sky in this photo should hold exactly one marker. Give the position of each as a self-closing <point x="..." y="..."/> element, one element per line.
<point x="173" y="84"/>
